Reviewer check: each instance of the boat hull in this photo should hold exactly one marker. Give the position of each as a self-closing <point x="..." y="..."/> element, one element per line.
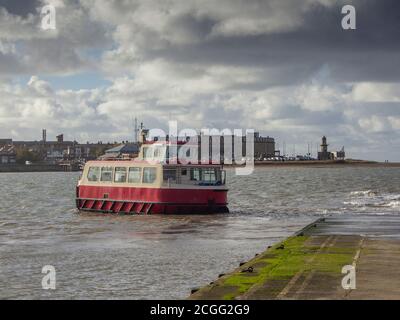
<point x="132" y="200"/>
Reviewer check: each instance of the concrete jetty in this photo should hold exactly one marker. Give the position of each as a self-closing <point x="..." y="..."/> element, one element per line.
<point x="309" y="264"/>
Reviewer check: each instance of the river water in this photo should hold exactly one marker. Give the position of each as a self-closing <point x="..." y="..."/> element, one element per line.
<point x="148" y="257"/>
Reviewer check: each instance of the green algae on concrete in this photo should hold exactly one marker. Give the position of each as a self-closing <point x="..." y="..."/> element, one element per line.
<point x="309" y="265"/>
<point x="274" y="268"/>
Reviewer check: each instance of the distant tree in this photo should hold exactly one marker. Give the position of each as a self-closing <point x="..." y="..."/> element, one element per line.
<point x="24" y="154"/>
<point x="98" y="151"/>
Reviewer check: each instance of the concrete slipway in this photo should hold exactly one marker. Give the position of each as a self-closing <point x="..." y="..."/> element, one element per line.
<point x="309" y="264"/>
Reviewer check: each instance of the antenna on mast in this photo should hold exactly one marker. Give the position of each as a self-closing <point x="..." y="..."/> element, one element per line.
<point x="136" y="131"/>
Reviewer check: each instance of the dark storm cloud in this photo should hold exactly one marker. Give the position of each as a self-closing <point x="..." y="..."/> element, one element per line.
<point x="20" y="7"/>
<point x="378" y="108"/>
<point x="27" y="49"/>
<point x="370" y="53"/>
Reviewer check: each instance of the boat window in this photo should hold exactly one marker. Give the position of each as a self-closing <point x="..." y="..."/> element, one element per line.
<point x="149" y="175"/>
<point x="147" y="153"/>
<point x="134" y="175"/>
<point x="195" y="174"/>
<point x="184" y="172"/>
<point x="120" y="175"/>
<point x="93" y="174"/>
<point x="158" y="152"/>
<point x="169" y="174"/>
<point x="106" y="174"/>
<point x="209" y="175"/>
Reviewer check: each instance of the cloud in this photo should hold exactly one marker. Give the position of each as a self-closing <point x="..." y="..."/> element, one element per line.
<point x="285" y="68"/>
<point x="376" y="92"/>
<point x="20" y="7"/>
<point x="62" y="51"/>
<point x="28" y="108"/>
<point x="39" y="86"/>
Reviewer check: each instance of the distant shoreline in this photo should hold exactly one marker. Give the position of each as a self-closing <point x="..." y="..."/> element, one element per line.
<point x="313" y="163"/>
<point x="325" y="163"/>
<point x="15" y="168"/>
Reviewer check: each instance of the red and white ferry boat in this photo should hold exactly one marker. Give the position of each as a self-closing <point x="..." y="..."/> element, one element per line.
<point x="152" y="184"/>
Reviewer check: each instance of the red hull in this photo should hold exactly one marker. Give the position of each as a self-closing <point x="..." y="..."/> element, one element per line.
<point x="150" y="200"/>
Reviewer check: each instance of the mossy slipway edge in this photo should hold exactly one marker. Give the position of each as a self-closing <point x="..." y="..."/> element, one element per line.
<point x="309" y="264"/>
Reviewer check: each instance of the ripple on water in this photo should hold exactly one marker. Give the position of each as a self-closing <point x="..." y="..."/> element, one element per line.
<point x="144" y="257"/>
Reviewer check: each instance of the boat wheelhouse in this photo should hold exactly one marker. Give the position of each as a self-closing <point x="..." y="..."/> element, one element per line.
<point x="154" y="183"/>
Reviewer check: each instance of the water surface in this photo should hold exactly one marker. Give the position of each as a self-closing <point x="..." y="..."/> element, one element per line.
<point x="145" y="257"/>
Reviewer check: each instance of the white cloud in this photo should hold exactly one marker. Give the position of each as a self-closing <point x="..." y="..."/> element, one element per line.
<point x="394" y="122"/>
<point x="316" y="97"/>
<point x="7" y="48"/>
<point x="14" y="27"/>
<point x="375" y="124"/>
<point x="39" y="86"/>
<point x="26" y="109"/>
<point x="376" y="92"/>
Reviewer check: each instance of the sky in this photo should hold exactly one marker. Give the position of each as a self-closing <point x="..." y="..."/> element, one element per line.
<point x="282" y="67"/>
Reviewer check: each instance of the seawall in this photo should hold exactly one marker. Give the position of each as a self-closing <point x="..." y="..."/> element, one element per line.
<point x="31" y="168"/>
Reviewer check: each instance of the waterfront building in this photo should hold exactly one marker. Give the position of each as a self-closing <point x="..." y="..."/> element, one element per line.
<point x="52" y="152"/>
<point x="124" y="150"/>
<point x="339" y="155"/>
<point x="5" y="142"/>
<point x="264" y="147"/>
<point x="60" y="150"/>
<point x="8" y="154"/>
<point x="324" y="154"/>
